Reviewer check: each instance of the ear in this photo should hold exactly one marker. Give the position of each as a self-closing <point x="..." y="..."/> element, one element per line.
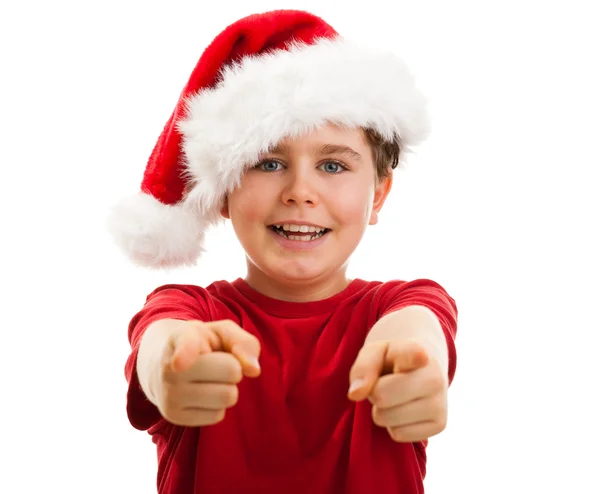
<point x="225" y="209"/>
<point x="381" y="192"/>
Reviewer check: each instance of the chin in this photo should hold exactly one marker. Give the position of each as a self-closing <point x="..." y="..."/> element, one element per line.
<point x="298" y="273"/>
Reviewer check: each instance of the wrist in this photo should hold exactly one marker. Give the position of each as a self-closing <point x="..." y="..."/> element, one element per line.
<point x="151" y="351"/>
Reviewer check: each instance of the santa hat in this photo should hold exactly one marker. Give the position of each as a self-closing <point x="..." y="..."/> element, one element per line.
<point x="265" y="77"/>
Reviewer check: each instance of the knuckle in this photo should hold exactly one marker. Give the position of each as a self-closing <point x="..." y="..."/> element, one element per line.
<point x="378" y="417"/>
<point x="169" y="417"/>
<point x="229" y="324"/>
<point x="190" y="418"/>
<point x="441" y="423"/>
<point x="215" y="417"/>
<point x="188" y="328"/>
<point x="439" y="406"/>
<point x="181" y="420"/>
<point x="230" y="396"/>
<point x="170" y="413"/>
<point x="434" y="380"/>
<point x="234" y="371"/>
<point x="433" y="429"/>
<point x="195" y="324"/>
<point x="169" y="396"/>
<point x="377" y="396"/>
<point x="397" y="434"/>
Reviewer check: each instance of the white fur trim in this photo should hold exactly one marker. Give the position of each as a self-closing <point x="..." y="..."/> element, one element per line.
<point x="287" y="93"/>
<point x="156" y="235"/>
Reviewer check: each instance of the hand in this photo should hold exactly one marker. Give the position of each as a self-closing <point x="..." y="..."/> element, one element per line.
<point x="407" y="388"/>
<point x="202" y="364"/>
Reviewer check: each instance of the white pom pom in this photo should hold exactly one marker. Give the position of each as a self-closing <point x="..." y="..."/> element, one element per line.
<point x="156" y="235"/>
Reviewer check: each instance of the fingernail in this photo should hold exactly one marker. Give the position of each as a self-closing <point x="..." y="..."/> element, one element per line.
<point x="356" y="384"/>
<point x="253" y="361"/>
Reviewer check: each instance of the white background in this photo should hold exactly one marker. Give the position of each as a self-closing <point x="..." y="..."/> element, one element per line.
<point x="500" y="206"/>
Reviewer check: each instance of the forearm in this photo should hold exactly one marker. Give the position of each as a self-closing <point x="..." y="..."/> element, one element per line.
<point x="416" y="323"/>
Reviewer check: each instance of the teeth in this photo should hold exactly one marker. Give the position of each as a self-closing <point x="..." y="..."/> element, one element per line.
<point x="302" y="238"/>
<point x="300" y="228"/>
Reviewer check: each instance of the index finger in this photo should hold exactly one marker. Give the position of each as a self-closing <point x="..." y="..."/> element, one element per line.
<point x="407" y="356"/>
<point x="367" y="368"/>
<point x="240" y="343"/>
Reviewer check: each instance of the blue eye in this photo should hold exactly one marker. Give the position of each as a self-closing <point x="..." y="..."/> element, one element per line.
<point x="333" y="167"/>
<point x="269" y="166"/>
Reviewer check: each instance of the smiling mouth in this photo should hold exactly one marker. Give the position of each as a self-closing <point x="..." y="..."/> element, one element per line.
<point x="303" y="233"/>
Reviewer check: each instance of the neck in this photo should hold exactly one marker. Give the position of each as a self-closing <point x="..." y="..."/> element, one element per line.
<point x="290" y="290"/>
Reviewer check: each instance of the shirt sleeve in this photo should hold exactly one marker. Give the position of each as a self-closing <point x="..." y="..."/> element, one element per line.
<point x="166" y="302"/>
<point x="426" y="293"/>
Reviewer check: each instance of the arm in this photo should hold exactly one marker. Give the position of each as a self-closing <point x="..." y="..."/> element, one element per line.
<point x="408" y="361"/>
<point x="167" y="302"/>
<point x="190" y="370"/>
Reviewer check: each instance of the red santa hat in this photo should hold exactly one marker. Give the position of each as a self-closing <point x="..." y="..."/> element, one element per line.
<point x="265" y="77"/>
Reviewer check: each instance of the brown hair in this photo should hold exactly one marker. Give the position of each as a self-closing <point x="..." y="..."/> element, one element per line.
<point x="386" y="154"/>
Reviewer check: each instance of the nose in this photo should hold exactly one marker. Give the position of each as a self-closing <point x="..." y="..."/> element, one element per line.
<point x="299" y="189"/>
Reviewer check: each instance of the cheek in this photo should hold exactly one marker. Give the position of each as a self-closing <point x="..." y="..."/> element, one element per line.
<point x="354" y="205"/>
<point x="250" y="204"/>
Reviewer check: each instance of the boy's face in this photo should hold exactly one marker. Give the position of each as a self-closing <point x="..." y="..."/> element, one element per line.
<point x="325" y="180"/>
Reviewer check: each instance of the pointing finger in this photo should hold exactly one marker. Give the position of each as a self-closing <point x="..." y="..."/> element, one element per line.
<point x="367" y="368"/>
<point x="407" y="356"/>
<point x="243" y="345"/>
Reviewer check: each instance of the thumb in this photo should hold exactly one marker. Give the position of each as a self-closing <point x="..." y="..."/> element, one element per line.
<point x="240" y="343"/>
<point x="193" y="340"/>
<point x="367" y="368"/>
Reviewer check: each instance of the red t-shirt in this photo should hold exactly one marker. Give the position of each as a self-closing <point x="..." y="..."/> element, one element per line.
<point x="293" y="429"/>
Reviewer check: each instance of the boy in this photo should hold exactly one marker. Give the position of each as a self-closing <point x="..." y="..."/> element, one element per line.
<point x="294" y="379"/>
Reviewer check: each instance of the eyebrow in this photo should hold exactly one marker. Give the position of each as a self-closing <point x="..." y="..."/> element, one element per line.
<point x="342" y="150"/>
<point x="325" y="149"/>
